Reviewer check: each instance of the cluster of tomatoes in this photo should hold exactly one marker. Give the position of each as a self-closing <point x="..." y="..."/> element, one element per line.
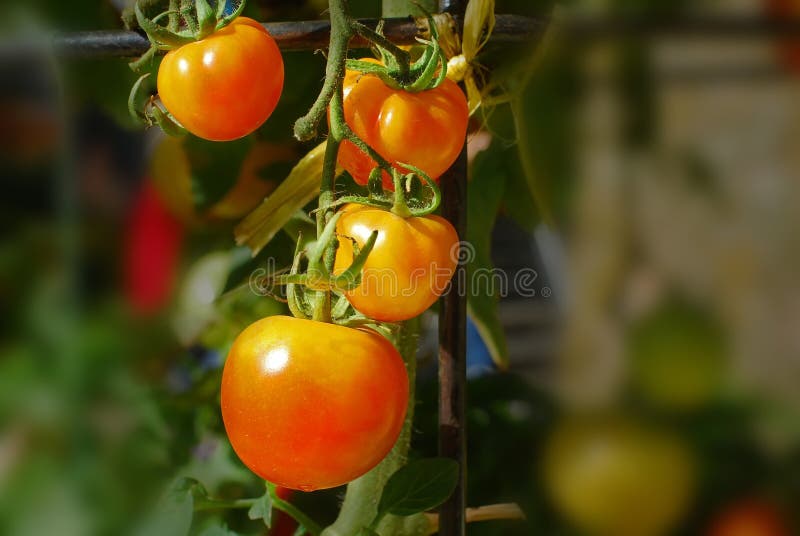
<point x="308" y="404"/>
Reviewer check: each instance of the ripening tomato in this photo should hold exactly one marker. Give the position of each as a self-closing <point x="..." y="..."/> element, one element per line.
<point x="152" y="251"/>
<point x="425" y="129"/>
<point x="751" y="517"/>
<point x="309" y="405"/>
<point x="172" y="176"/>
<point x="614" y="477"/>
<point x="225" y="86"/>
<point x="409" y="267"/>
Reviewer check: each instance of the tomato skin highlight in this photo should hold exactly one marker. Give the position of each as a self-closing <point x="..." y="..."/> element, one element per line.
<point x="425" y="129"/>
<point x="309" y="405"/>
<point x="225" y="86"/>
<point x="409" y="267"/>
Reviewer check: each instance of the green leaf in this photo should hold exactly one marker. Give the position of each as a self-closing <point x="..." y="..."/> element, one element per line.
<point x="366" y="531"/>
<point x="490" y="173"/>
<point x="419" y="486"/>
<point x="174" y="512"/>
<point x="299" y="188"/>
<point x="215" y="167"/>
<point x="262" y="509"/>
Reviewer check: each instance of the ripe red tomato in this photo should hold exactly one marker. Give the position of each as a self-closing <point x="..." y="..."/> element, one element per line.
<point x="425" y="129"/>
<point x="408" y="269"/>
<point x="751" y="517"/>
<point x="613" y="476"/>
<point x="152" y="248"/>
<point x="225" y="86"/>
<point x="309" y="405"/>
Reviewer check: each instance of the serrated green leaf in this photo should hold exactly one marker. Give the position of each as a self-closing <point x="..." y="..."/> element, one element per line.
<point x="299" y="188"/>
<point x="485" y="193"/>
<point x="215" y="167"/>
<point x="419" y="486"/>
<point x="174" y="511"/>
<point x="262" y="509"/>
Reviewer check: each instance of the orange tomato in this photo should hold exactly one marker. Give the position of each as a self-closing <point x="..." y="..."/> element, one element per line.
<point x="225" y="86"/>
<point x="309" y="405"/>
<point x="409" y="267"/>
<point x="750" y="517"/>
<point x="425" y="129"/>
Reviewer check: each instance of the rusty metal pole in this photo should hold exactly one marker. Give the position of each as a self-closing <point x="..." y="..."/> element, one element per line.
<point x="453" y="339"/>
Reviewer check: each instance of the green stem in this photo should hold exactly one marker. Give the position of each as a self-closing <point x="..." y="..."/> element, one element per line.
<point x="174" y="15"/>
<point x="360" y="504"/>
<point x="307" y="523"/>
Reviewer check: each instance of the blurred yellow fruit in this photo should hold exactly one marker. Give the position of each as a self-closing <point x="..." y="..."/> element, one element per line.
<point x="171" y="174"/>
<point x="611" y="476"/>
<point x="678" y="357"/>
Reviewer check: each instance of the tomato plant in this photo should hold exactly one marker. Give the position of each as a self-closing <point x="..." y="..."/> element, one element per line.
<point x="751" y="517"/>
<point x="226" y="85"/>
<point x="425" y="129"/>
<point x="309" y="405"/>
<point x="408" y="269"/>
<point x="612" y="476"/>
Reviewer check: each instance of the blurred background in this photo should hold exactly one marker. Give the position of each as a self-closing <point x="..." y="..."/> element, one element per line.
<point x="639" y="190"/>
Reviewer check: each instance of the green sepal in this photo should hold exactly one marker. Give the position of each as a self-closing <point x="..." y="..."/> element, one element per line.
<point x="133" y="98"/>
<point x="224" y="21"/>
<point x="158" y="34"/>
<point x="206" y="18"/>
<point x="166" y="122"/>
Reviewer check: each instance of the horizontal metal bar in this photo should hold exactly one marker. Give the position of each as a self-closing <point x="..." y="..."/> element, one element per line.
<point x="310" y="35"/>
<point x="300" y="35"/>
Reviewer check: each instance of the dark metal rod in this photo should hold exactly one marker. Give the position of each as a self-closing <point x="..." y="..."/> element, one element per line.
<point x="453" y="339"/>
<point x="305" y="35"/>
<point x="300" y="35"/>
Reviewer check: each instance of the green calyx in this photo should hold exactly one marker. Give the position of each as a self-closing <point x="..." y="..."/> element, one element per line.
<point x="187" y="21"/>
<point x="396" y="69"/>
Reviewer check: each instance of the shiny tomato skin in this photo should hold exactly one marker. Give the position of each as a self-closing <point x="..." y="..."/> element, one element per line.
<point x="409" y="267"/>
<point x="225" y="86"/>
<point x="426" y="129"/>
<point x="750" y="517"/>
<point x="309" y="405"/>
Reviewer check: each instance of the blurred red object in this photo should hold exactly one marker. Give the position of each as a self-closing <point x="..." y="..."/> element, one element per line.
<point x="750" y="517"/>
<point x="789" y="49"/>
<point x="283" y="524"/>
<point x="152" y="249"/>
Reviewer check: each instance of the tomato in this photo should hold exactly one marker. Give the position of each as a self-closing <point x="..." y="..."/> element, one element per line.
<point x="614" y="477"/>
<point x="152" y="250"/>
<point x="425" y="129"/>
<point x="751" y="517"/>
<point x="225" y="86"/>
<point x="171" y="173"/>
<point x="309" y="405"/>
<point x="409" y="267"/>
<point x="678" y="356"/>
